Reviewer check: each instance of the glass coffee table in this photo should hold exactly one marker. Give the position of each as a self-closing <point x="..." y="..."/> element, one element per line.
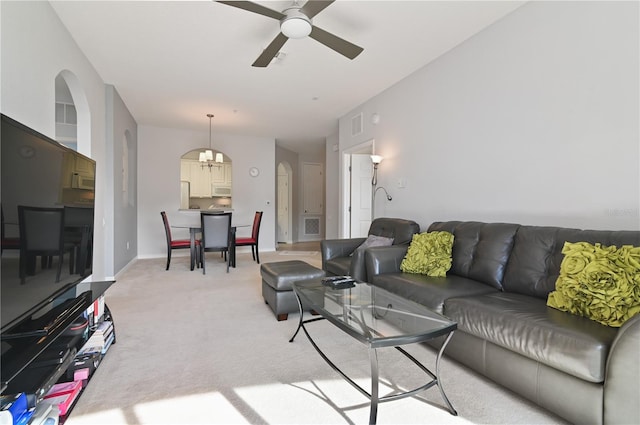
<point x="378" y="319"/>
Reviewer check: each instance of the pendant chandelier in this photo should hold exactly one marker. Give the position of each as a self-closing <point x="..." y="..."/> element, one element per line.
<point x="206" y="157"/>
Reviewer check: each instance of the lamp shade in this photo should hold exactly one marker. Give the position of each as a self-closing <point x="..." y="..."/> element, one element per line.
<point x="219" y="157"/>
<point x="202" y="157"/>
<point x="209" y="154"/>
<point x="376" y="159"/>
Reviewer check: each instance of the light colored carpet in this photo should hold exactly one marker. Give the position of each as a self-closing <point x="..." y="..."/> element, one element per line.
<point x="207" y="349"/>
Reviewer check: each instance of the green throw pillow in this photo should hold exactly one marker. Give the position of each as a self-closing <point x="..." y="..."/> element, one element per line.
<point x="429" y="253"/>
<point x="598" y="282"/>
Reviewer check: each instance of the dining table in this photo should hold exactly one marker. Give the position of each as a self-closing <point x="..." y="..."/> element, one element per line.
<point x="195" y="228"/>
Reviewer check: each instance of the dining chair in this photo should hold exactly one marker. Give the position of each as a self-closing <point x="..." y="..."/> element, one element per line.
<point x="78" y="236"/>
<point x="8" y="242"/>
<point x="216" y="235"/>
<point x="176" y="243"/>
<point x="253" y="239"/>
<point x="41" y="233"/>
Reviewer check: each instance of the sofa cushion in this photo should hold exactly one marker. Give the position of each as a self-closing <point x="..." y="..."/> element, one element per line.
<point x="535" y="259"/>
<point x="399" y="229"/>
<point x="598" y="282"/>
<point x="430" y="291"/>
<point x="536" y="256"/>
<point x="572" y="344"/>
<point x="339" y="266"/>
<point x="373" y="240"/>
<point x="429" y="253"/>
<point x="480" y="250"/>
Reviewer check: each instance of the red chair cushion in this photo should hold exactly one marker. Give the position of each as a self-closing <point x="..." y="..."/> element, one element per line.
<point x="181" y="243"/>
<point x="11" y="242"/>
<point x="247" y="241"/>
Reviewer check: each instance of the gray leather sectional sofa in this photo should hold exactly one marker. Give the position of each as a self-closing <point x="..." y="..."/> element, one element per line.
<point x="496" y="290"/>
<point x="341" y="257"/>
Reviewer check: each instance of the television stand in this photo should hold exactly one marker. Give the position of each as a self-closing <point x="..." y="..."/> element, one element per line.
<point x="42" y="349"/>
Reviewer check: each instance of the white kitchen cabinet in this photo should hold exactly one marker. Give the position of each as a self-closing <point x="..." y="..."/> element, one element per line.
<point x="185" y="171"/>
<point x="227" y="174"/>
<point x="200" y="179"/>
<point x="221" y="180"/>
<point x="68" y="168"/>
<point x="218" y="174"/>
<point x="84" y="166"/>
<point x="206" y="182"/>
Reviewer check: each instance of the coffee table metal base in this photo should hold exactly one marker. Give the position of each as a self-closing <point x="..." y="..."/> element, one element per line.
<point x="374" y="395"/>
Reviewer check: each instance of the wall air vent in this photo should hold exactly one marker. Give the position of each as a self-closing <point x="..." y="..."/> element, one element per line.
<point x="312" y="226"/>
<point x="356" y="125"/>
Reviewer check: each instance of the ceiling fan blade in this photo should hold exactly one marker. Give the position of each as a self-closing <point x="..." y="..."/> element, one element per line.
<point x="336" y="43"/>
<point x="255" y="8"/>
<point x="312" y="7"/>
<point x="271" y="51"/>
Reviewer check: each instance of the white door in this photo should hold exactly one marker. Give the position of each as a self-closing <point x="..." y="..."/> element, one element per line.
<point x="283" y="205"/>
<point x="360" y="195"/>
<point x="312" y="186"/>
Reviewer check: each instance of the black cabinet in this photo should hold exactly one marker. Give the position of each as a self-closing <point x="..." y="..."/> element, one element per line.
<point x="39" y="349"/>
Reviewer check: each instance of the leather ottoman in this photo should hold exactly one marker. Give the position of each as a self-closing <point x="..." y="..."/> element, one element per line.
<point x="277" y="279"/>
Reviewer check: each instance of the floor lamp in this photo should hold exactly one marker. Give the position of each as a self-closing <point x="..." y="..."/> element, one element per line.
<point x="376" y="160"/>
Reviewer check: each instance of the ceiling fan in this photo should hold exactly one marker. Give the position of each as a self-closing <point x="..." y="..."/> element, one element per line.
<point x="295" y="22"/>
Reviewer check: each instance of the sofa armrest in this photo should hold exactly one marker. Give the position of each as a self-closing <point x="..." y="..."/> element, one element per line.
<point x="384" y="259"/>
<point x="622" y="381"/>
<point x="336" y="248"/>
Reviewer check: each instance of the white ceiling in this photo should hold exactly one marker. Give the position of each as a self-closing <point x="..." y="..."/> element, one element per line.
<point x="173" y="62"/>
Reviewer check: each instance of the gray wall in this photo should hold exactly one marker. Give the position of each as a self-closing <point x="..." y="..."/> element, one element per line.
<point x="159" y="152"/>
<point x="534" y="120"/>
<point x="122" y="135"/>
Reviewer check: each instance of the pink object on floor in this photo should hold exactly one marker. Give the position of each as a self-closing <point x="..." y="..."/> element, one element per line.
<point x="63" y="395"/>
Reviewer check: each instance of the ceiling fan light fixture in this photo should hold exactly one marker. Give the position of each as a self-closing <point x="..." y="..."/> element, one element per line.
<point x="296" y="24"/>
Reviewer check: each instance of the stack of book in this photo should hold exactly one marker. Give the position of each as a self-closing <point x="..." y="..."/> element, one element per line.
<point x="63" y="395"/>
<point x="100" y="340"/>
<point x="88" y="358"/>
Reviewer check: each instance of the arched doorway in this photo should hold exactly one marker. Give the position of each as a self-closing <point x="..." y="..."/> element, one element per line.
<point x="208" y="184"/>
<point x="72" y="108"/>
<point x="66" y="116"/>
<point x="285" y="195"/>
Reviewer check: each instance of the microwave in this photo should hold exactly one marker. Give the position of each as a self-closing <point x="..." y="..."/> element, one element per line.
<point x="221" y="191"/>
<point x="80" y="181"/>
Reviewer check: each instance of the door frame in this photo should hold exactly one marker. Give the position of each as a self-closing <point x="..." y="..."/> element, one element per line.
<point x="367" y="147"/>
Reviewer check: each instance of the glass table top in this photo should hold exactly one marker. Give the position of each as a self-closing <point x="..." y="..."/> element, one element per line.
<point x="373" y="315"/>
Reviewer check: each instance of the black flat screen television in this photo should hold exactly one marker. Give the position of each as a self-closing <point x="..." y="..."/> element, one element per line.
<point x="49" y="183"/>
